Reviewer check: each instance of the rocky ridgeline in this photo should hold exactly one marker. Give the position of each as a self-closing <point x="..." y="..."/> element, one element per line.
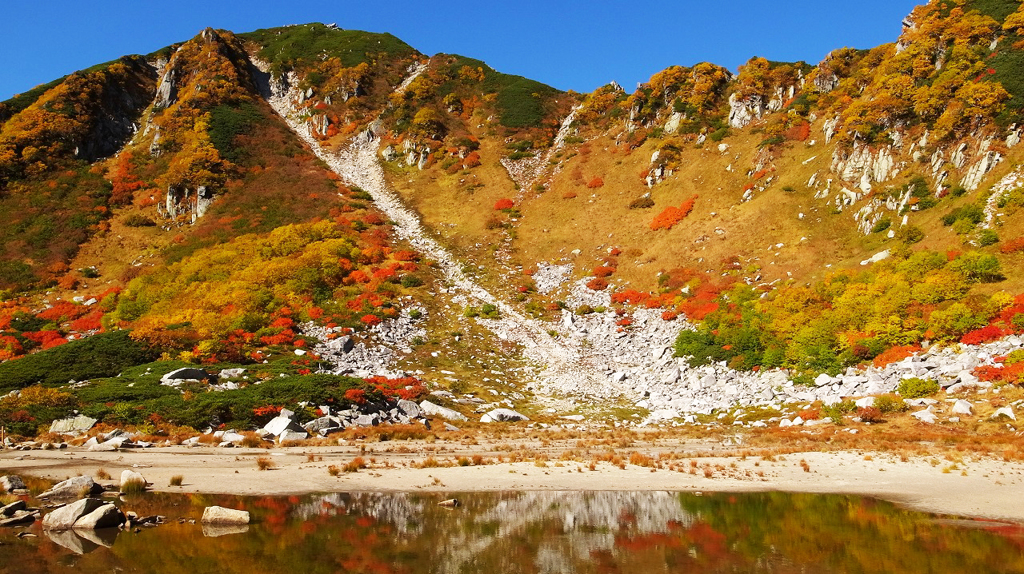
<point x="594" y="356"/>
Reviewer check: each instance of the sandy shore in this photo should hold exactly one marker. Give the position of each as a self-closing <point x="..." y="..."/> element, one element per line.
<point x="984" y="488"/>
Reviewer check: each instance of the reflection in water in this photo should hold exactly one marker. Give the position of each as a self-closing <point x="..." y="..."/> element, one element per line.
<point x="543" y="532"/>
<point x="215" y="530"/>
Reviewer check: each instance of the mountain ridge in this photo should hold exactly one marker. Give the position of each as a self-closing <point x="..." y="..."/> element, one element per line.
<point x="812" y="218"/>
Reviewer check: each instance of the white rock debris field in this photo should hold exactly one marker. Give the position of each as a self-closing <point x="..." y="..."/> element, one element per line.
<point x="592" y="357"/>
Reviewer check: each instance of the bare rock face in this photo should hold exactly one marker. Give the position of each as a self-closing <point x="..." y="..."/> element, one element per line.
<point x="221" y="515"/>
<point x="65" y="517"/>
<point x="73" y="425"/>
<point x="742" y="111"/>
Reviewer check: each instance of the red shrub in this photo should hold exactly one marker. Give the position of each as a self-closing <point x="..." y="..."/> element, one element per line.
<point x="1013" y="246"/>
<point x="630" y="296"/>
<point x="602" y="271"/>
<point x="62" y="311"/>
<point x="597" y="284"/>
<point x="370" y="320"/>
<point x="669" y="316"/>
<point x="894" y="354"/>
<point x="503" y="204"/>
<point x="982" y="335"/>
<point x="357" y="396"/>
<point x="799" y="132"/>
<point x="90" y="322"/>
<point x="595" y="183"/>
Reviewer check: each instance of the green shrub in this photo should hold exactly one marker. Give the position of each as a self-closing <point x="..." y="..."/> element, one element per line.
<point x="987" y="237"/>
<point x="306" y="44"/>
<point x="102" y="355"/>
<point x="228" y="122"/>
<point x="410" y="281"/>
<point x="971" y="212"/>
<point x="916" y="388"/>
<point x="909" y="234"/>
<point x="719" y="134"/>
<point x="835" y="412"/>
<point x="890" y="404"/>
<point x="138" y="220"/>
<point x="643" y="202"/>
<point x="881" y="225"/>
<point x="489" y="311"/>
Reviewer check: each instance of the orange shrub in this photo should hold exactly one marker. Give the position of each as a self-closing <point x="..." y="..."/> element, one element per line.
<point x="602" y="271"/>
<point x="597" y="284"/>
<point x="673" y="215"/>
<point x="504" y="203"/>
<point x="595" y="183"/>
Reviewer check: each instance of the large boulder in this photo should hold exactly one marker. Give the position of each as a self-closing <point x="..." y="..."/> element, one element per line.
<point x="430" y="409"/>
<point x="106" y="516"/>
<point x="65" y="517"/>
<point x="503" y="416"/>
<point x="289" y="434"/>
<point x="323" y="426"/>
<point x="221" y="515"/>
<point x="10" y="483"/>
<point x="280" y="424"/>
<point x="73" y="425"/>
<point x="129" y="476"/>
<point x="179" y="376"/>
<point x="411" y="409"/>
<point x="73" y="487"/>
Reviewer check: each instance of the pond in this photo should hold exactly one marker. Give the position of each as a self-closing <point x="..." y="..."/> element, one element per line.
<point x="536" y="532"/>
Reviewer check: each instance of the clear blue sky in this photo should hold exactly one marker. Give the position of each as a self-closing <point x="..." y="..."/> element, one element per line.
<point x="577" y="44"/>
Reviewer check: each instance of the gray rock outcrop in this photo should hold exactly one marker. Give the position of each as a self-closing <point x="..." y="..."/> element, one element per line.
<point x="73" y="425"/>
<point x="10" y="483"/>
<point x="503" y="416"/>
<point x="73" y="487"/>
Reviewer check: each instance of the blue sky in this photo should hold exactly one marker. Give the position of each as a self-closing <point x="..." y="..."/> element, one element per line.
<point x="575" y="45"/>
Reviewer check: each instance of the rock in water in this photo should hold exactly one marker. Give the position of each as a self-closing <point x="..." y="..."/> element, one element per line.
<point x="221" y="515"/>
<point x="65" y="517"/>
<point x="106" y="516"/>
<point x="450" y="503"/>
<point x="13" y="507"/>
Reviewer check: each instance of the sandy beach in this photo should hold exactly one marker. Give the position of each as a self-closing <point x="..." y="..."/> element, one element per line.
<point x="983" y="487"/>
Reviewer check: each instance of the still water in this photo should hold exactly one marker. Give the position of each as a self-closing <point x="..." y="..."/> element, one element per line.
<point x="535" y="532"/>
